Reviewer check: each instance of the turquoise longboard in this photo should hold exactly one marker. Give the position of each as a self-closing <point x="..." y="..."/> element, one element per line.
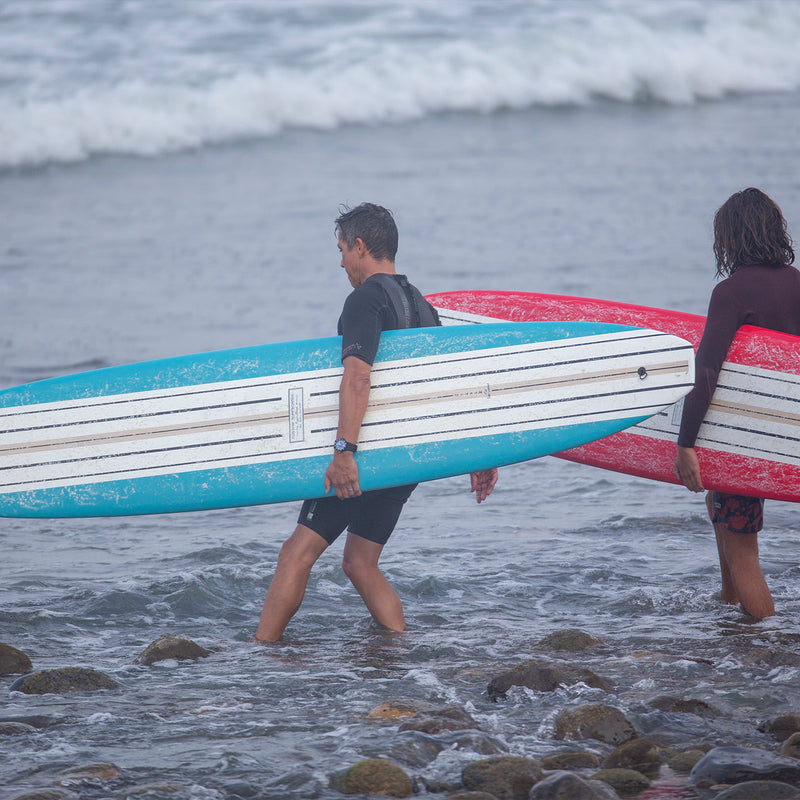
<point x="256" y="425"/>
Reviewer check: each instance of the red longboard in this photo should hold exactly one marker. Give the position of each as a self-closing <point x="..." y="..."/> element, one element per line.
<point x="749" y="442"/>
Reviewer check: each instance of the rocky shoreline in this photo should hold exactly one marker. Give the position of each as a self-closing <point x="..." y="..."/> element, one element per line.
<point x="597" y="753"/>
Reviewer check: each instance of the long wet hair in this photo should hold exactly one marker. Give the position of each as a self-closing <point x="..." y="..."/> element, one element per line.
<point x="749" y="228"/>
<point x="374" y="225"/>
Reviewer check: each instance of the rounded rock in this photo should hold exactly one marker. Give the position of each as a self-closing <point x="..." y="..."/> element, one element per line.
<point x="61" y="681"/>
<point x="604" y="723"/>
<point x="581" y="759"/>
<point x="13" y="661"/>
<point x="729" y="765"/>
<point x="397" y="709"/>
<point x="791" y="747"/>
<point x="569" y="786"/>
<point x="678" y="705"/>
<point x="449" y="718"/>
<point x="684" y="761"/>
<point x="376" y="776"/>
<point x="760" y="790"/>
<point x="626" y="782"/>
<point x="417" y="751"/>
<point x="783" y="726"/>
<point x="505" y="777"/>
<point x="641" y="755"/>
<point x="570" y="639"/>
<point x="175" y="648"/>
<point x="542" y="675"/>
<point x="15" y="728"/>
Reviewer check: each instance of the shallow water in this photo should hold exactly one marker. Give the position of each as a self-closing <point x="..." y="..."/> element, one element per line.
<point x="118" y="257"/>
<point x="480" y="592"/>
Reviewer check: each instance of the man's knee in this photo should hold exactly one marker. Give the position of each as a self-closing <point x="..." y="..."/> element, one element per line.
<point x="360" y="558"/>
<point x="301" y="549"/>
<point x="355" y="568"/>
<point x="359" y="566"/>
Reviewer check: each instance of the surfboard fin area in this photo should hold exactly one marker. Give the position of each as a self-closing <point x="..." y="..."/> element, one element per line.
<point x="256" y="425"/>
<point x="749" y="442"/>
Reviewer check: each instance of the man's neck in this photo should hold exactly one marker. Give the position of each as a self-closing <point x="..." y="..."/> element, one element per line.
<point x="382" y="268"/>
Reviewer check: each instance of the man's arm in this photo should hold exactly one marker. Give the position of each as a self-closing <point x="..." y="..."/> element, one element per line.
<point x="722" y="322"/>
<point x="342" y="473"/>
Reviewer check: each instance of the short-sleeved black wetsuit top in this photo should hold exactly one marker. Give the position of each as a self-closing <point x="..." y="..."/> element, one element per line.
<point x="768" y="297"/>
<point x="384" y="302"/>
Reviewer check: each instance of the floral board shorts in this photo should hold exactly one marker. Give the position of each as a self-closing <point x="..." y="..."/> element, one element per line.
<point x="741" y="514"/>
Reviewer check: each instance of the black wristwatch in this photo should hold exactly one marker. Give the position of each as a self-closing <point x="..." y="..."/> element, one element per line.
<point x="341" y="445"/>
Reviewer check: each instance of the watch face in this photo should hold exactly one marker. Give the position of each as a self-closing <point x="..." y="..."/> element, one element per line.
<point x="340" y="445"/>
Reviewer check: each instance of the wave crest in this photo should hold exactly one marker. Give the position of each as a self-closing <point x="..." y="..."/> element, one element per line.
<point x="573" y="61"/>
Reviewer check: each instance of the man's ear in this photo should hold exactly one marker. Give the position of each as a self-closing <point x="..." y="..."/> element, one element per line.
<point x="360" y="247"/>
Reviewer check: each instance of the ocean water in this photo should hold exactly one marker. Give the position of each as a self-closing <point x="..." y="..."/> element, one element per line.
<point x="169" y="177"/>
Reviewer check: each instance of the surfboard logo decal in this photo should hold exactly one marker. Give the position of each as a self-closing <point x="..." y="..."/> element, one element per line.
<point x="296" y="415"/>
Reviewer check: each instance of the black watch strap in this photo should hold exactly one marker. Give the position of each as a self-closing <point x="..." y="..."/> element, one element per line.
<point x="342" y="446"/>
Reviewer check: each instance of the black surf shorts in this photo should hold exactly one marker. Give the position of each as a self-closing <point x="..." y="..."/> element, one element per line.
<point x="739" y="513"/>
<point x="372" y="515"/>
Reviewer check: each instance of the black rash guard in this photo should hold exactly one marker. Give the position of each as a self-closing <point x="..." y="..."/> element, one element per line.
<point x="768" y="297"/>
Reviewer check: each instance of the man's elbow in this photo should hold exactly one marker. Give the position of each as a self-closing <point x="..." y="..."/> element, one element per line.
<point x="357" y="375"/>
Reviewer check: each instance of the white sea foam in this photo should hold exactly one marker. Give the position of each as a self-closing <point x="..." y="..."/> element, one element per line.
<point x="150" y="84"/>
<point x="100" y="717"/>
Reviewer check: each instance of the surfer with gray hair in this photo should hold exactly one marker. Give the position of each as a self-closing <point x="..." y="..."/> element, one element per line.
<point x="760" y="287"/>
<point x="381" y="300"/>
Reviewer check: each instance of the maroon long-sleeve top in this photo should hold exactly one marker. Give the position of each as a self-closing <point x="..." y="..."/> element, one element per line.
<point x="768" y="297"/>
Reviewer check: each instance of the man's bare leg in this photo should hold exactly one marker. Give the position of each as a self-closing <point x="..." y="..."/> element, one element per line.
<point x="285" y="594"/>
<point x="741" y="554"/>
<point x="728" y="592"/>
<point x="360" y="564"/>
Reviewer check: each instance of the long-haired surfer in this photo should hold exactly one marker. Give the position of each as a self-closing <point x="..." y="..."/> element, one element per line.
<point x="754" y="255"/>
